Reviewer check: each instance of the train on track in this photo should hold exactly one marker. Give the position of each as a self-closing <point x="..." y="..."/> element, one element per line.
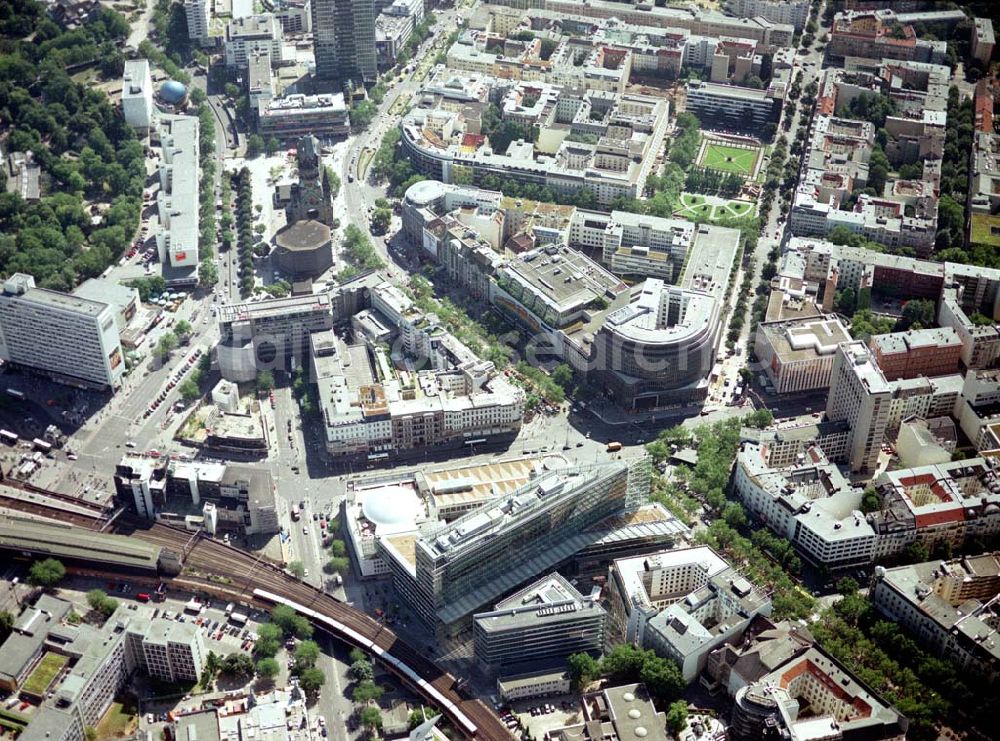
<point x="450" y="709"/>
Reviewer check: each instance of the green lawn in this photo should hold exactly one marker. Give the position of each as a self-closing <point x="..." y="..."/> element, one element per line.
<point x="690" y="205"/>
<point x="118" y="722"/>
<point x="985" y="230"/>
<point x="729" y="159"/>
<point x="44" y="673"/>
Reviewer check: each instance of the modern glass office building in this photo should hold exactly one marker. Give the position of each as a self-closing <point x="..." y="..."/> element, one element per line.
<point x="471" y="562"/>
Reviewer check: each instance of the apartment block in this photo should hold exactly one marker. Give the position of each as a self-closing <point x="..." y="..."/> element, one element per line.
<point x="953" y="502"/>
<point x="984" y="181"/>
<point x="737" y="108"/>
<point x="698" y="21"/>
<point x="978" y="409"/>
<point x="199" y="19"/>
<point x="540" y="624"/>
<point x="934" y="351"/>
<point x="615" y="138"/>
<point x="787" y="443"/>
<point x="172" y="651"/>
<point x="906" y="217"/>
<point x="949" y="606"/>
<point x="97" y="663"/>
<point x="838" y="153"/>
<point x="634" y="244"/>
<point x="682" y="604"/>
<point x="879" y="34"/>
<point x="792" y="12"/>
<point x="808" y="502"/>
<point x="861" y="396"/>
<point x="797" y="355"/>
<point x="983" y="41"/>
<point x="833" y="703"/>
<point x="69" y="338"/>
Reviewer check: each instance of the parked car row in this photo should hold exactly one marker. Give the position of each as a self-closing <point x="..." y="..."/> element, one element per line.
<point x="174" y="380"/>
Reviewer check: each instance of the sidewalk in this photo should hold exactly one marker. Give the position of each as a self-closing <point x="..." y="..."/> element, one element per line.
<point x="614" y="415"/>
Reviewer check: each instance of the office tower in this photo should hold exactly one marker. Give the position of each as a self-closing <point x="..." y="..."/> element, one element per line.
<point x="541" y="624"/>
<point x="344" y="40"/>
<point x="860" y="395"/>
<point x="137" y="94"/>
<point x="452" y="572"/>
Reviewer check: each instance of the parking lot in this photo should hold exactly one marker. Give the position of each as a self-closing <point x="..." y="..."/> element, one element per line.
<point x="537" y="717"/>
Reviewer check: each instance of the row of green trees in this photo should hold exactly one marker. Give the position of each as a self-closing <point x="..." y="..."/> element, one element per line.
<point x="627" y="663"/>
<point x="366" y="693"/>
<point x="483" y="333"/>
<point x="767" y="559"/>
<point x="358" y="252"/>
<point x="246" y="236"/>
<point x="930" y="691"/>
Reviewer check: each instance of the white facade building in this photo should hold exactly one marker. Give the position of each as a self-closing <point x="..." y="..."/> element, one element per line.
<point x="177" y="202"/>
<point x="199" y="19"/>
<point x="666" y="601"/>
<point x="797" y="355"/>
<point x="250" y="35"/>
<point x="810" y="503"/>
<point x="137" y="94"/>
<point x="72" y="339"/>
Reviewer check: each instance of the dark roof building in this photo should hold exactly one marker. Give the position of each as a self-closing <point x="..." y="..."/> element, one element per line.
<point x="304" y="249"/>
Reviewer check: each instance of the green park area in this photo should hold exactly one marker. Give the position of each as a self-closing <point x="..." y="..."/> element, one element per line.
<point x="44" y="673"/>
<point x="725" y="158"/>
<point x="696" y="207"/>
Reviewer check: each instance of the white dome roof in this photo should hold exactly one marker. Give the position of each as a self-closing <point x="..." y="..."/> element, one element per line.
<point x="641" y="732"/>
<point x="391" y="505"/>
<point x="634" y="713"/>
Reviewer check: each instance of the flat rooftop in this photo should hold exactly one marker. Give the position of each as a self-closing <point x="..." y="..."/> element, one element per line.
<point x="274" y="307"/>
<point x="480" y="482"/>
<point x="549" y="598"/>
<point x="564" y="277"/>
<point x="710" y="260"/>
<point x="804" y="339"/>
<point x="75" y="542"/>
<point x="65" y="301"/>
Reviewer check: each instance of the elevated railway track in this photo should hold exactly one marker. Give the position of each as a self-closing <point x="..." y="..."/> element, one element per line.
<point x="216" y="568"/>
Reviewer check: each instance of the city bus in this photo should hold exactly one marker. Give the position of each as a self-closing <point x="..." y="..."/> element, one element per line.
<point x="614" y="447"/>
<point x="8" y="437"/>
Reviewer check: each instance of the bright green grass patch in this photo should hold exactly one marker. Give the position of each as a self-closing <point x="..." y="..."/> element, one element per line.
<point x="729" y="159"/>
<point x="118" y="722"/>
<point x="985" y="229"/>
<point x="44" y="673"/>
